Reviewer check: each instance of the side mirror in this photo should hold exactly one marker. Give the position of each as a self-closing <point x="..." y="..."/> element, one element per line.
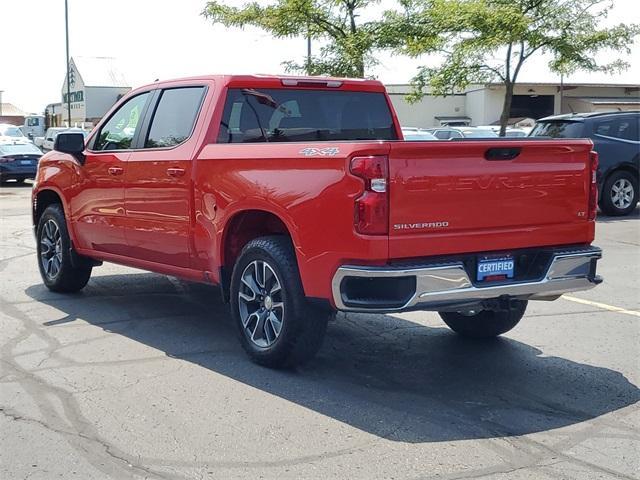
<point x="30" y="136"/>
<point x="71" y="143"/>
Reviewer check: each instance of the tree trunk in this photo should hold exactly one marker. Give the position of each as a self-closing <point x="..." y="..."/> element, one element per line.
<point x="506" y="108"/>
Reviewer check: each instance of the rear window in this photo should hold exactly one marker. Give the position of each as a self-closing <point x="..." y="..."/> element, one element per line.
<point x="11" y="132"/>
<point x="555" y="129"/>
<point x="289" y="115"/>
<point x="19" y="149"/>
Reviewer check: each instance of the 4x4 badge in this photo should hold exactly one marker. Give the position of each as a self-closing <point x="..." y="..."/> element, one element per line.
<point x="322" y="152"/>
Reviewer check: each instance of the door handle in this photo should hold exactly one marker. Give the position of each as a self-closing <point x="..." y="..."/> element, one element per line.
<point x="502" y="153"/>
<point x="115" y="170"/>
<point x="175" y="172"/>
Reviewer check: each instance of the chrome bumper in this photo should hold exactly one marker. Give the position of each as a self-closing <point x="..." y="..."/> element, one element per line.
<point x="446" y="286"/>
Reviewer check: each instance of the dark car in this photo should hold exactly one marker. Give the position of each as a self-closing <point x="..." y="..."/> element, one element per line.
<point x="18" y="161"/>
<point x="616" y="138"/>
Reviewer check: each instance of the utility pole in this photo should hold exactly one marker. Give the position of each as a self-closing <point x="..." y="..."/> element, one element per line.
<point x="1" y="92"/>
<point x="308" y="51"/>
<point x="66" y="25"/>
<point x="561" y="90"/>
<point x="308" y="55"/>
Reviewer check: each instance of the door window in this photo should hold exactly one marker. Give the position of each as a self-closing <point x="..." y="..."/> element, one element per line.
<point x="118" y="132"/>
<point x="174" y="117"/>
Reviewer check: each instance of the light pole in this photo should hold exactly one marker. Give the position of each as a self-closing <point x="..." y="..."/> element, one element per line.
<point x="308" y="54"/>
<point x="66" y="26"/>
<point x="1" y="92"/>
<point x="561" y="90"/>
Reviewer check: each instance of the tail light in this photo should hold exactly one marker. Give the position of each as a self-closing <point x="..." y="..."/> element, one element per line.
<point x="593" y="186"/>
<point x="6" y="159"/>
<point x="371" y="214"/>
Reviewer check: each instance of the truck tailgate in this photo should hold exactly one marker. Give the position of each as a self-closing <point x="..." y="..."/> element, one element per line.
<point x="479" y="196"/>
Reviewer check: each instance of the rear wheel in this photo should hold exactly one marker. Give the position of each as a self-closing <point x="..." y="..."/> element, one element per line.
<point x="276" y="325"/>
<point x="485" y="323"/>
<point x="54" y="253"/>
<point x="619" y="194"/>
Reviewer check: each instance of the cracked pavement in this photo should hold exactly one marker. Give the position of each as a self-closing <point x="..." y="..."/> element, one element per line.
<point x="141" y="376"/>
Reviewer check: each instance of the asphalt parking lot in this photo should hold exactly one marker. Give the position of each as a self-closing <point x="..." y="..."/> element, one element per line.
<point x="141" y="376"/>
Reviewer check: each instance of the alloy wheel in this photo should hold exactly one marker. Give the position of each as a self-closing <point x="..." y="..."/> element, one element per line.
<point x="622" y="193"/>
<point x="260" y="303"/>
<point x="51" y="249"/>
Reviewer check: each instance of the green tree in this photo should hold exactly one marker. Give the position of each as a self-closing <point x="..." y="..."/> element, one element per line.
<point x="347" y="43"/>
<point x="490" y="40"/>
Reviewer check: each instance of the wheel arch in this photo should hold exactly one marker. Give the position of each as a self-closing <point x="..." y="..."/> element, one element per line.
<point x="42" y="199"/>
<point x="629" y="167"/>
<point x="242" y="227"/>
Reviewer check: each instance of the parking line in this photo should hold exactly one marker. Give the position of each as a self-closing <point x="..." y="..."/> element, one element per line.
<point x="604" y="306"/>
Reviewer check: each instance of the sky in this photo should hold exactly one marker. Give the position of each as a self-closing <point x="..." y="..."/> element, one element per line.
<point x="154" y="39"/>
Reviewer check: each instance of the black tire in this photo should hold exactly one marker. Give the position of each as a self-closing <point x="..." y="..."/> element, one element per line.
<point x="485" y="323"/>
<point x="611" y="203"/>
<point x="66" y="277"/>
<point x="301" y="327"/>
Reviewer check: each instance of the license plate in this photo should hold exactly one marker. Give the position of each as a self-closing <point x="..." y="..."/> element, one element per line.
<point x="501" y="266"/>
<point x="25" y="162"/>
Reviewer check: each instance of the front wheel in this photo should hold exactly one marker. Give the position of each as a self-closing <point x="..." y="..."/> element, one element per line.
<point x="276" y="325"/>
<point x="485" y="323"/>
<point x="54" y="254"/>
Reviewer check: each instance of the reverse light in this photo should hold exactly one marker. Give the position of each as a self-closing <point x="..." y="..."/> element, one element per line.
<point x="371" y="209"/>
<point x="593" y="186"/>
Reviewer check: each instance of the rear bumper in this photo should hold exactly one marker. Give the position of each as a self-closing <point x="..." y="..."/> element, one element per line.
<point x="448" y="285"/>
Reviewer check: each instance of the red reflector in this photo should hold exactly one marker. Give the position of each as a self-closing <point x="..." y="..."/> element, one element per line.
<point x="372" y="214"/>
<point x="593" y="186"/>
<point x="495" y="278"/>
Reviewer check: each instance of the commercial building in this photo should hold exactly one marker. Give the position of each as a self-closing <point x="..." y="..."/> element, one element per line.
<point x="9" y="113"/>
<point x="96" y="83"/>
<point x="482" y="104"/>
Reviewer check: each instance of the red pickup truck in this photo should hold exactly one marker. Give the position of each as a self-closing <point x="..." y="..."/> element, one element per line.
<point x="299" y="198"/>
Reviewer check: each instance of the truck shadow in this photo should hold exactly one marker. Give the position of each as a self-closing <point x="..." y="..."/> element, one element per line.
<point x="387" y="376"/>
<point x="634" y="215"/>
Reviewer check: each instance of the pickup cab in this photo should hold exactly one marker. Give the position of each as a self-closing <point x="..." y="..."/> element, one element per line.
<point x="299" y="198"/>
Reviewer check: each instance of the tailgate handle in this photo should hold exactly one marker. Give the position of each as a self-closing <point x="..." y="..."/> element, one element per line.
<point x="502" y="153"/>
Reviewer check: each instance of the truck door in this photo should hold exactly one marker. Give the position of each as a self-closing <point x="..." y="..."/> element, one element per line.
<point x="98" y="208"/>
<point x="158" y="179"/>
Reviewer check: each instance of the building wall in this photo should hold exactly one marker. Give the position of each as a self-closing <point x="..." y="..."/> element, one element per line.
<point x="101" y="99"/>
<point x="422" y="114"/>
<point x="475" y="105"/>
<point x="12" y="119"/>
<point x="78" y="97"/>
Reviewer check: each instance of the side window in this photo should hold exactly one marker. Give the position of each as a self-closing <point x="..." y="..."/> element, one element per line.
<point x="174" y="117"/>
<point x="605" y="127"/>
<point x="628" y="128"/>
<point x="118" y="132"/>
<point x="455" y="134"/>
<point x="625" y="128"/>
